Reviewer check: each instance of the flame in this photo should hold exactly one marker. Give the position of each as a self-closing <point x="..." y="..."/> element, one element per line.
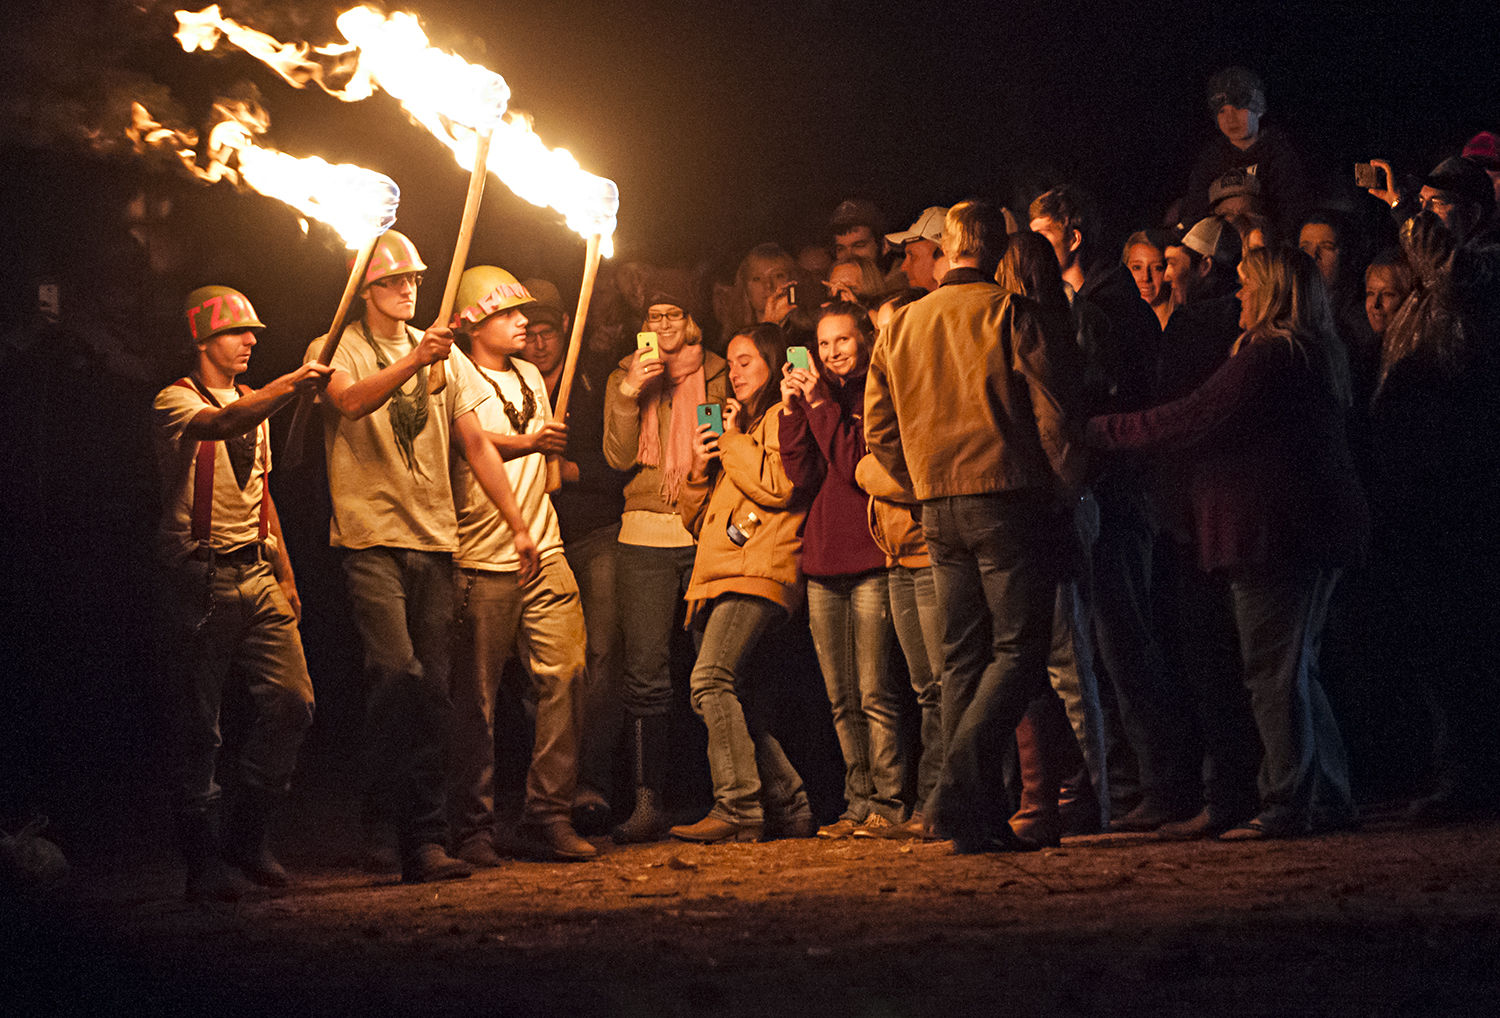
<point x="450" y="97"/>
<point x="357" y="203"/>
<point x="296" y="63"/>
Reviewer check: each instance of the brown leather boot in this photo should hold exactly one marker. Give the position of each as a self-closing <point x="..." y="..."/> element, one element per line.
<point x="1037" y="820"/>
<point x="711" y="830"/>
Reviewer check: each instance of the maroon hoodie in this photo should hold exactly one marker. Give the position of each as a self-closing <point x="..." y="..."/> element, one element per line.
<point x="820" y="447"/>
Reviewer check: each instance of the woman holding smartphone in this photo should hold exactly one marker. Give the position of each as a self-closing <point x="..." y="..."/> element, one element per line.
<point x="650" y="415"/>
<point x="848" y="600"/>
<point x="747" y="517"/>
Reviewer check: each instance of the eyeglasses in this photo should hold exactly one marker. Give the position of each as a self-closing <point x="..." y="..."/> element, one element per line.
<point x="397" y="282"/>
<point x="657" y="317"/>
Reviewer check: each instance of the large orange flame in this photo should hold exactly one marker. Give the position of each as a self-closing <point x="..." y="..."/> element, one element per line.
<point x="357" y="203"/>
<point x="450" y="97"/>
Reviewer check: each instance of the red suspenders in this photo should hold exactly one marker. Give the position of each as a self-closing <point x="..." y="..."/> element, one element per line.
<point x="203" y="483"/>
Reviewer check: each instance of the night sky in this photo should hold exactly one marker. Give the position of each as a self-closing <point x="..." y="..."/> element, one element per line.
<point x="727" y="124"/>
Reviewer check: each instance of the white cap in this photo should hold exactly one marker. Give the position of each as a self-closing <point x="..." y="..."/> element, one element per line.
<point x="1214" y="238"/>
<point x="929" y="226"/>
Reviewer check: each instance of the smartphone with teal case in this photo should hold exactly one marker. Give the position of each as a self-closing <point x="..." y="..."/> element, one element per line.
<point x="799" y="357"/>
<point x="712" y="414"/>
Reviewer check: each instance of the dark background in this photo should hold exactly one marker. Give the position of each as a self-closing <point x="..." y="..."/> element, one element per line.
<point x="723" y="124"/>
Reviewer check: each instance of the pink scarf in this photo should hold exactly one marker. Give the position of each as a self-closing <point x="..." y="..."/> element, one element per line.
<point x="685" y="373"/>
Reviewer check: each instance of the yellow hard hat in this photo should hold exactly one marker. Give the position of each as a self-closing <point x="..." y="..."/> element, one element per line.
<point x="484" y="290"/>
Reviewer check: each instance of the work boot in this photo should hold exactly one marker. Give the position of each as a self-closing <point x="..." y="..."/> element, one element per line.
<point x="553" y="841"/>
<point x="208" y="878"/>
<point x="648" y="822"/>
<point x="479" y="851"/>
<point x="429" y="863"/>
<point x="711" y="831"/>
<point x="590" y="811"/>
<point x="245" y="838"/>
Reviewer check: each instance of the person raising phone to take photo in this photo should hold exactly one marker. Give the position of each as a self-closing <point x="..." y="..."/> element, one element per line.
<point x="747" y="516"/>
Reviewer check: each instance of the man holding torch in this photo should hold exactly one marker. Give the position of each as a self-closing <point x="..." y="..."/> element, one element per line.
<point x="499" y="608"/>
<point x="229" y="600"/>
<point x="387" y="442"/>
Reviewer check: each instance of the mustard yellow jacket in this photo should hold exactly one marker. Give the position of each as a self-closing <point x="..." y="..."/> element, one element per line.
<point x="749" y="477"/>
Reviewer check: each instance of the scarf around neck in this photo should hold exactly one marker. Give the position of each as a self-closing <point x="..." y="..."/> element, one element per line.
<point x="688" y="385"/>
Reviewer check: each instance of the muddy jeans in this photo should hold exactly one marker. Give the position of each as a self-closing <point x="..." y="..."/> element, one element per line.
<point x="402" y="603"/>
<point x="251" y="635"/>
<point x="543" y="621"/>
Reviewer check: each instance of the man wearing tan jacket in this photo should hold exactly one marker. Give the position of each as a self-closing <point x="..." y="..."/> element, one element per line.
<point x="967" y="406"/>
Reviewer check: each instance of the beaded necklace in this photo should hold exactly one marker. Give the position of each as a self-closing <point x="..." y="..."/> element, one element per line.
<point x="408" y="412"/>
<point x="518" y="418"/>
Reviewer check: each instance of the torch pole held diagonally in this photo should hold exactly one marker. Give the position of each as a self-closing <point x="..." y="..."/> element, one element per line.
<point x="292" y="451"/>
<point x="575" y="345"/>
<point x="436" y="376"/>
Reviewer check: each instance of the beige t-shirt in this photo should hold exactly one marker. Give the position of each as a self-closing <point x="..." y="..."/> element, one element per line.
<point x="485" y="541"/>
<point x="236" y="511"/>
<point x="378" y="499"/>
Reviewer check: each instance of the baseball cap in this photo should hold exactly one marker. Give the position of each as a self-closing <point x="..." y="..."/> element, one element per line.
<point x="929" y="226"/>
<point x="1238" y="181"/>
<point x="1214" y="238"/>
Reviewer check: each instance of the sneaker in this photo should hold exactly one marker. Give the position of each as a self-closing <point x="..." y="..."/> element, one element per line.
<point x="429" y="863"/>
<point x="843" y="827"/>
<point x="877" y="826"/>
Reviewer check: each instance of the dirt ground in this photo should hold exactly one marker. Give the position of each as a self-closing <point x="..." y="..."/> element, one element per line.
<point x="1385" y="921"/>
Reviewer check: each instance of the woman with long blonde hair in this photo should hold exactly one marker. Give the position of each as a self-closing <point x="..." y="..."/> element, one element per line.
<point x="1278" y="512"/>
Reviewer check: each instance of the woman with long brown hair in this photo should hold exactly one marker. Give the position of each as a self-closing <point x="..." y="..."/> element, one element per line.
<point x="1278" y="511"/>
<point x="747" y="515"/>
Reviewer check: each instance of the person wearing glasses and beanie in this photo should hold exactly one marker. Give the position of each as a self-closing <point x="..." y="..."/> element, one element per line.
<point x="650" y="426"/>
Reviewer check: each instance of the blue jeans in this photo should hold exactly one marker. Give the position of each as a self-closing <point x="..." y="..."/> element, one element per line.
<point x="649" y="585"/>
<point x="1070" y="668"/>
<point x="1155" y="704"/>
<point x="751" y="775"/>
<point x="1304" y="774"/>
<point x="993" y="557"/>
<point x="918" y="622"/>
<point x="593" y="558"/>
<point x="850" y="618"/>
<point x="402" y="603"/>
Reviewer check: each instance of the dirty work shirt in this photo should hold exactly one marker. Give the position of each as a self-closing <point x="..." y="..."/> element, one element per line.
<point x="236" y="513"/>
<point x="485" y="541"/>
<point x="378" y="499"/>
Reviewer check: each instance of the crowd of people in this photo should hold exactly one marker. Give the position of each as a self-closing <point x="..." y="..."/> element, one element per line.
<point x="1068" y="523"/>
